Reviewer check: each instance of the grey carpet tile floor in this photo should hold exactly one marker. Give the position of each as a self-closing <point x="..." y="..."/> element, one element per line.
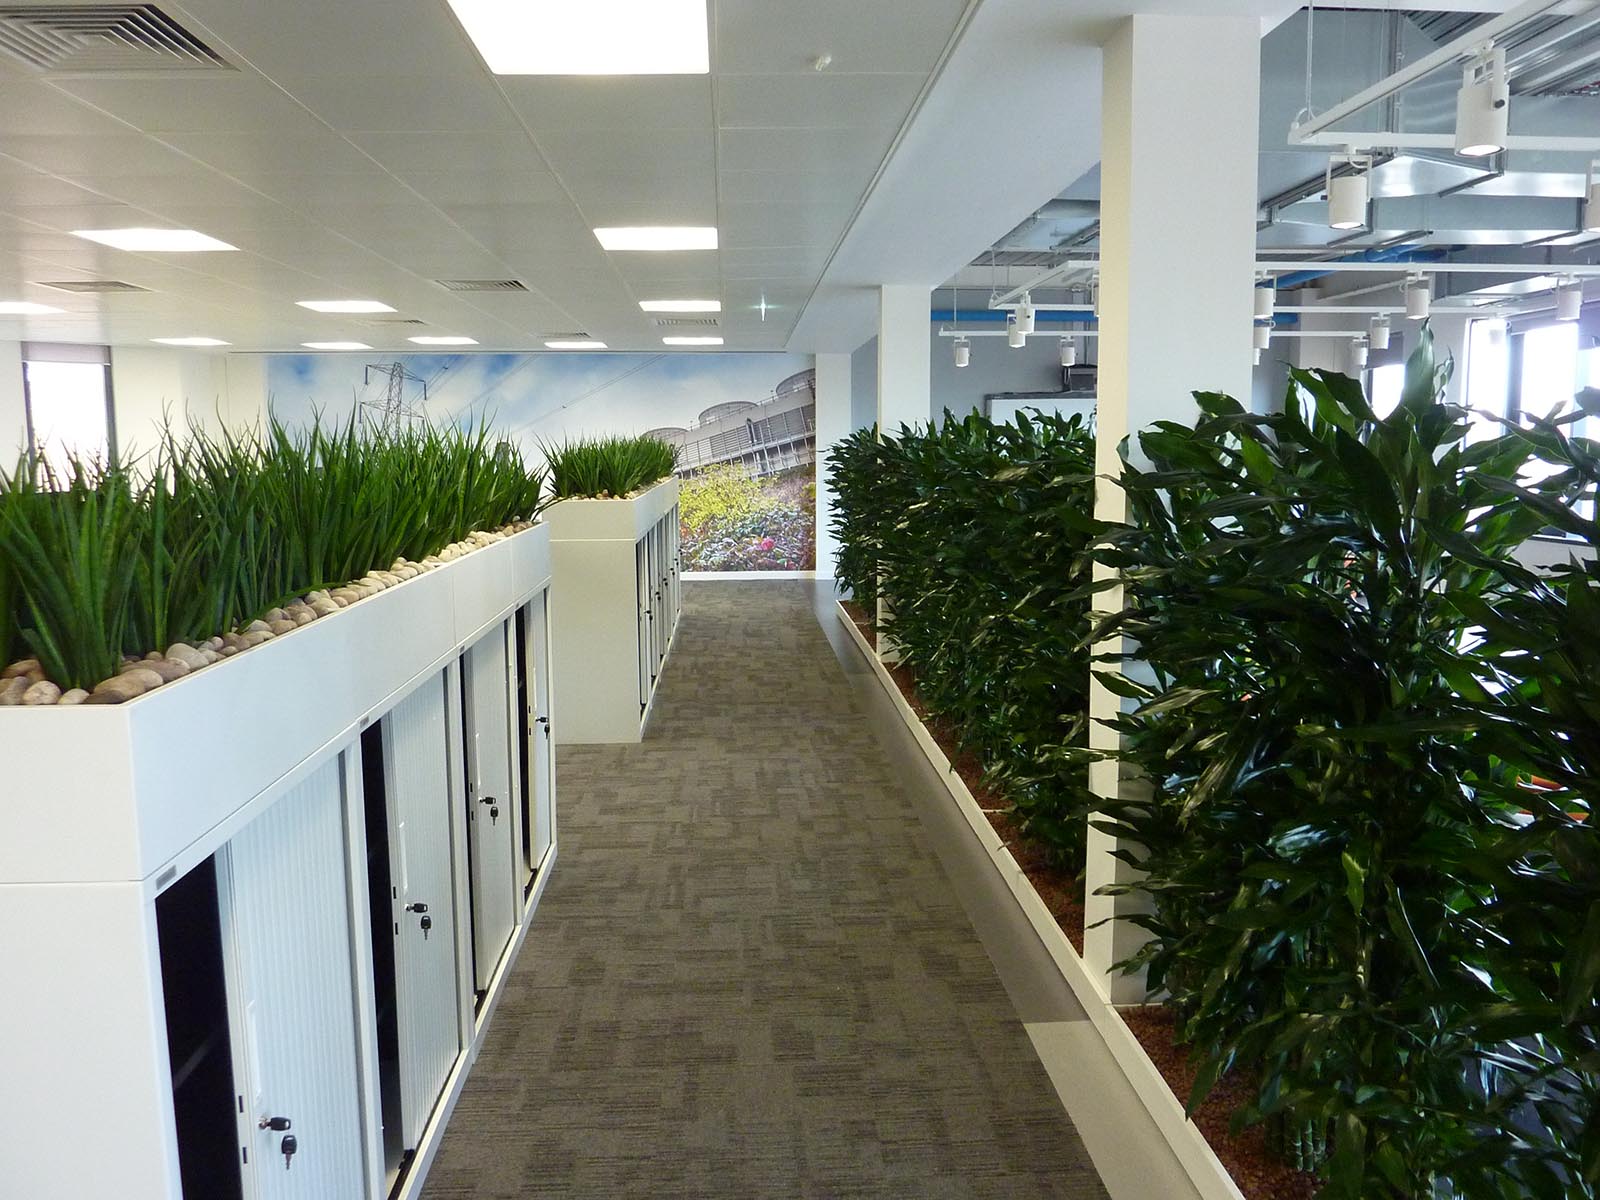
<point x="748" y="977"/>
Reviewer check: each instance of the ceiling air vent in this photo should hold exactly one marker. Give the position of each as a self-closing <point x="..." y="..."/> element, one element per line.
<point x="687" y="323"/>
<point x="389" y="322"/>
<point x="102" y="37"/>
<point x="91" y="285"/>
<point x="482" y="285"/>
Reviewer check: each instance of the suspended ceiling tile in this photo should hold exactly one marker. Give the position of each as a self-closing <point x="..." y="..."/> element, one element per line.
<point x="304" y="149"/>
<point x="657" y="194"/>
<point x="820" y="99"/>
<point x="486" y="152"/>
<point x="22" y="186"/>
<point x="213" y="102"/>
<point x="485" y="187"/>
<point x="756" y="37"/>
<point x="690" y="152"/>
<point x="578" y="102"/>
<point x="97" y="156"/>
<point x="408" y="101"/>
<point x="759" y="187"/>
<point x="852" y="151"/>
<point x="767" y="262"/>
<point x="298" y="190"/>
<point x="36" y="108"/>
<point x="775" y="225"/>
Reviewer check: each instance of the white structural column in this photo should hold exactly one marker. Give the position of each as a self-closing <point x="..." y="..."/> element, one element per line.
<point x="833" y="426"/>
<point x="1177" y="244"/>
<point x="905" y="377"/>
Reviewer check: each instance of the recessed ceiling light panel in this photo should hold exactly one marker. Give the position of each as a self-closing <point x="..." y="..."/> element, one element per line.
<point x="443" y="340"/>
<point x="681" y="306"/>
<point x="336" y="346"/>
<point x="345" y="306"/>
<point x="691" y="341"/>
<point x="596" y="37"/>
<point x="575" y="344"/>
<point x="163" y="241"/>
<point x="22" y="308"/>
<point x="190" y="341"/>
<point x="658" y="237"/>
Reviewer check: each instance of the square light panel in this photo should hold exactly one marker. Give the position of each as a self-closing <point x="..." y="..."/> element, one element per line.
<point x="444" y="341"/>
<point x="658" y="237"/>
<point x="345" y="306"/>
<point x="594" y="37"/>
<point x="175" y="241"/>
<point x="691" y="341"/>
<point x="190" y="341"/>
<point x="22" y="308"/>
<point x="576" y="344"/>
<point x="681" y="306"/>
<point x="336" y="346"/>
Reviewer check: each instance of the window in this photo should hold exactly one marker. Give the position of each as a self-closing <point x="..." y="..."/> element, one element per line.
<point x="68" y="397"/>
<point x="1388" y="381"/>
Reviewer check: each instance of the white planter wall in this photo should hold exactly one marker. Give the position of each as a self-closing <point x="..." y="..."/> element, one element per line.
<point x="617" y="596"/>
<point x="254" y="763"/>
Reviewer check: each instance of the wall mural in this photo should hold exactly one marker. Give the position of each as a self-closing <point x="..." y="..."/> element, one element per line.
<point x="744" y="426"/>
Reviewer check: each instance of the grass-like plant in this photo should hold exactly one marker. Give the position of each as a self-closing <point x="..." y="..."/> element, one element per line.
<point x="211" y="531"/>
<point x="612" y="467"/>
<point x="978" y="536"/>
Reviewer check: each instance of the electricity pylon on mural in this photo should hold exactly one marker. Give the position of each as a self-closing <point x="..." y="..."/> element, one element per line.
<point x="392" y="411"/>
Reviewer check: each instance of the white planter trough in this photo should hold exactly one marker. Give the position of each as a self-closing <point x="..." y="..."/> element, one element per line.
<point x="1204" y="1169"/>
<point x="237" y="913"/>
<point x="618" y="592"/>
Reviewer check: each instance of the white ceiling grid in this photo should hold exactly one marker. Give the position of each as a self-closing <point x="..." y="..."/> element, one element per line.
<point x="362" y="149"/>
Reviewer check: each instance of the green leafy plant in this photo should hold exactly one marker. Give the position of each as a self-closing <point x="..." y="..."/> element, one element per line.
<point x="1326" y="815"/>
<point x="858" y="509"/>
<point x="607" y="467"/>
<point x="977" y="538"/>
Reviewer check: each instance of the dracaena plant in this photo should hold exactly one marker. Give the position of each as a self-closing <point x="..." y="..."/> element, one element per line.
<point x="975" y="532"/>
<point x="1323" y="816"/>
<point x="858" y="514"/>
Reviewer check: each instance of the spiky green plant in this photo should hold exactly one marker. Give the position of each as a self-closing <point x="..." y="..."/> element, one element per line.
<point x="607" y="466"/>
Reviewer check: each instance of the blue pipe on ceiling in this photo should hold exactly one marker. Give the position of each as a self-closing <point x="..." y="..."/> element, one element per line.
<point x="1045" y="316"/>
<point x="1395" y="254"/>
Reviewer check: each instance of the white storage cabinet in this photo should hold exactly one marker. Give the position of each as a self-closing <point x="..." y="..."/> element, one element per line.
<point x="617" y="597"/>
<point x="239" y="915"/>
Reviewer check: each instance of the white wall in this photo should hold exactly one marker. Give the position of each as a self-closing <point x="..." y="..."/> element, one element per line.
<point x="154" y="388"/>
<point x="13" y="408"/>
<point x="864" y="385"/>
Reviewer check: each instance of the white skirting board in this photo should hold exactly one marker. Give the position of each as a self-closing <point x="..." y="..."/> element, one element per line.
<point x="1188" y="1144"/>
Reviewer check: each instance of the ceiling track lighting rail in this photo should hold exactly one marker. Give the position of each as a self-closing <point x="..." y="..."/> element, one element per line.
<point x="995" y="333"/>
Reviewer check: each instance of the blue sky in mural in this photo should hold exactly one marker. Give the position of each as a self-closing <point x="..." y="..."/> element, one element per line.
<point x="535" y="396"/>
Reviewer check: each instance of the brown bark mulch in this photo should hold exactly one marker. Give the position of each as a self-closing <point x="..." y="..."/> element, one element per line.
<point x="863" y="620"/>
<point x="1260" y="1174"/>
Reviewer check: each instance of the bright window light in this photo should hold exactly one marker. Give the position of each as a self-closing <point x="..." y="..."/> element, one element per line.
<point x="345" y="306"/>
<point x="67" y="410"/>
<point x="576" y="344"/>
<point x="1388" y="381"/>
<point x="444" y="341"/>
<point x="692" y="341"/>
<point x="596" y="37"/>
<point x="190" y="341"/>
<point x="163" y="240"/>
<point x="21" y="308"/>
<point x="681" y="306"/>
<point x="658" y="237"/>
<point x="1549" y="369"/>
<point x="336" y="346"/>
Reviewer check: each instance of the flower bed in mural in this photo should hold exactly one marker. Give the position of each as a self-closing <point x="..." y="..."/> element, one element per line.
<point x="732" y="522"/>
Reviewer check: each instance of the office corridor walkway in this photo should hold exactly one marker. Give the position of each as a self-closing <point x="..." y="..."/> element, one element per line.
<point x="748" y="977"/>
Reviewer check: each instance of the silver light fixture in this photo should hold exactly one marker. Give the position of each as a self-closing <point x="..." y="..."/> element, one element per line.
<point x="963" y="352"/>
<point x="1358" y="352"/>
<point x="1266" y="298"/>
<point x="1378" y="333"/>
<point x="1569" y="300"/>
<point x="1483" y="105"/>
<point x="1069" y="352"/>
<point x="1419" y="299"/>
<point x="1591" y="205"/>
<point x="1025" y="313"/>
<point x="1348" y="194"/>
<point x="1015" y="338"/>
<point x="1261" y="335"/>
<point x="1256" y="358"/>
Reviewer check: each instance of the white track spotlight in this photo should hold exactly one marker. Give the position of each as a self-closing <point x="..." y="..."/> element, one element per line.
<point x="1266" y="298"/>
<point x="963" y="352"/>
<point x="1569" y="300"/>
<point x="1483" y="105"/>
<point x="1256" y="359"/>
<point x="1069" y="352"/>
<point x="1015" y="338"/>
<point x="1419" y="299"/>
<point x="1025" y="313"/>
<point x="1348" y="199"/>
<point x="1261" y="335"/>
<point x="1358" y="352"/>
<point x="1378" y="333"/>
<point x="1591" y="206"/>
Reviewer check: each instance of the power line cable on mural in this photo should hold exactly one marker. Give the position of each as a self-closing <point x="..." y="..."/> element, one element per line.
<point x="594" y="391"/>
